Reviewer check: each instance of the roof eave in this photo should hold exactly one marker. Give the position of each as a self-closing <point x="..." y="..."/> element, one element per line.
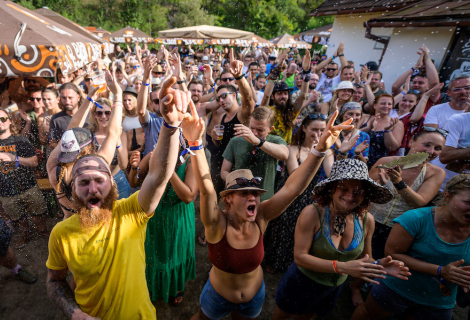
<point x="354" y="11"/>
<point x="415" y="23"/>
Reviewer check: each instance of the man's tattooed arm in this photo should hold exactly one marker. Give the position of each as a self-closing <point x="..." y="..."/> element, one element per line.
<point x="60" y="292"/>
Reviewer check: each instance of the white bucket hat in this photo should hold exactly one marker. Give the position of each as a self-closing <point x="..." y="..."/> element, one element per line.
<point x="345" y="85"/>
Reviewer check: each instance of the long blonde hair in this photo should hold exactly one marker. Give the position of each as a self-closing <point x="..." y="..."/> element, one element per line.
<point x="332" y="102"/>
<point x="134" y="100"/>
<point x="91" y="118"/>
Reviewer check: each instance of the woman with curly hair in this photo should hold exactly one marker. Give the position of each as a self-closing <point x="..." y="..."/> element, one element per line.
<point x="332" y="241"/>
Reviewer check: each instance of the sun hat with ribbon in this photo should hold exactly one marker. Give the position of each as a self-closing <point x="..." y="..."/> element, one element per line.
<point x="241" y="179"/>
<point x="353" y="169"/>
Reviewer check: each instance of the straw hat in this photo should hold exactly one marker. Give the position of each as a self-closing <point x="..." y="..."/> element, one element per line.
<point x="231" y="184"/>
<point x="353" y="169"/>
<point x="344" y="85"/>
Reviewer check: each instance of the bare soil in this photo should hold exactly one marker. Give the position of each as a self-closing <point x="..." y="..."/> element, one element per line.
<point x="23" y="301"/>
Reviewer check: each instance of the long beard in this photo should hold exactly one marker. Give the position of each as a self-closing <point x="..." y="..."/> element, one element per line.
<point x="281" y="105"/>
<point x="90" y="218"/>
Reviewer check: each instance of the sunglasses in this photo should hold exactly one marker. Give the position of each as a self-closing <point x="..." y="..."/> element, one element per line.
<point x="315" y="116"/>
<point x="445" y="133"/>
<point x="244" y="182"/>
<point x="37" y="99"/>
<point x="453" y="184"/>
<point x="227" y="79"/>
<point x="156" y="101"/>
<point x="331" y="69"/>
<point x="87" y="79"/>
<point x="31" y="80"/>
<point x="4" y="119"/>
<point x="100" y="113"/>
<point x="457" y="90"/>
<point x="223" y="96"/>
<point x="413" y="91"/>
<point x="158" y="72"/>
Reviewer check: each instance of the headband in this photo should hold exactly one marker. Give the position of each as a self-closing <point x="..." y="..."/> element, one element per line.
<point x="102" y="166"/>
<point x="350" y="106"/>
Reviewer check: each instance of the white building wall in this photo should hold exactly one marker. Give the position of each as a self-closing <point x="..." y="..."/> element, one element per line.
<point x="405" y="42"/>
<point x="350" y="29"/>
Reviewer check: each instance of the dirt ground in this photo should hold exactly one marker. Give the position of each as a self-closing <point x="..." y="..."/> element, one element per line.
<point x="22" y="301"/>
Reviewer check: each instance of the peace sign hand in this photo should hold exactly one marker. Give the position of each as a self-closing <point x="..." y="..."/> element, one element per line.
<point x="331" y="133"/>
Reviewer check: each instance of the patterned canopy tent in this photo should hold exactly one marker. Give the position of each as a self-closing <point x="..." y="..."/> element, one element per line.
<point x="33" y="45"/>
<point x="129" y="35"/>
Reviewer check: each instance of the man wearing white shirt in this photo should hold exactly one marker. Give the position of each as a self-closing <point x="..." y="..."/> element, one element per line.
<point x="439" y="115"/>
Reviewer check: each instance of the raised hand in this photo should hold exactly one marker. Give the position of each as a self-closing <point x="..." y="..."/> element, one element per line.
<point x="361" y="147"/>
<point x="393" y="122"/>
<point x="395" y="268"/>
<point x="134" y="159"/>
<point x="348" y="143"/>
<point x="112" y="84"/>
<point x="92" y="90"/>
<point x="149" y="64"/>
<point x="383" y="177"/>
<point x="394" y="174"/>
<point x="207" y="71"/>
<point x="236" y="66"/>
<point x="340" y="49"/>
<point x="331" y="133"/>
<point x="434" y="90"/>
<point x="192" y="125"/>
<point x="406" y="86"/>
<point x="173" y="103"/>
<point x="362" y="269"/>
<point x="306" y="60"/>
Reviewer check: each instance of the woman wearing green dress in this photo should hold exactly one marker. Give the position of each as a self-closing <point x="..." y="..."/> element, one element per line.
<point x="169" y="244"/>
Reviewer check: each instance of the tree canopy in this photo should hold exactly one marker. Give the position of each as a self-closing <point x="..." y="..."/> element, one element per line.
<point x="266" y="18"/>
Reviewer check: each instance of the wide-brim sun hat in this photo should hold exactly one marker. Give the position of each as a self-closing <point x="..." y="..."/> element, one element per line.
<point x="344" y="85"/>
<point x="353" y="169"/>
<point x="232" y="186"/>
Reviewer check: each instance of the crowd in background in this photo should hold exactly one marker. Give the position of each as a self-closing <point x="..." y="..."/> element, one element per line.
<point x="287" y="154"/>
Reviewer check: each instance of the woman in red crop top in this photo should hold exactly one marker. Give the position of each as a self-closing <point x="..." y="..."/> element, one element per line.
<point x="234" y="235"/>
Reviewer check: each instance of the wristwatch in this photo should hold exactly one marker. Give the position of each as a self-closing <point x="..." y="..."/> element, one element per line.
<point x="261" y="141"/>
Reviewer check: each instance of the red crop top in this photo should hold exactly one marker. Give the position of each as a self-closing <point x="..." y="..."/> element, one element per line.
<point x="226" y="258"/>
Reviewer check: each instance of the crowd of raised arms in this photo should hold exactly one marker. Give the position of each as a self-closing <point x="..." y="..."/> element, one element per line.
<point x="286" y="155"/>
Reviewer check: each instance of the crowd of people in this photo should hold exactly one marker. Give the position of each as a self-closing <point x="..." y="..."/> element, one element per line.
<point x="287" y="156"/>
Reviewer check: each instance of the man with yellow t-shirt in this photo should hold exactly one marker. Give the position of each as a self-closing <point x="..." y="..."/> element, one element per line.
<point x="103" y="244"/>
<point x="277" y="97"/>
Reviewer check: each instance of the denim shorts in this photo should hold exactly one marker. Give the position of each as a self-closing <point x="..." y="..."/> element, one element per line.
<point x="124" y="189"/>
<point x="297" y="294"/>
<point x="5" y="237"/>
<point x="394" y="303"/>
<point x="216" y="307"/>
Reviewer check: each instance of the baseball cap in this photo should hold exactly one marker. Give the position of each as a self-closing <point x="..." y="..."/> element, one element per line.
<point x="372" y="65"/>
<point x="72" y="142"/>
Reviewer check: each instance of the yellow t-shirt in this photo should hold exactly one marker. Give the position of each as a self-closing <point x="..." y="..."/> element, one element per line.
<point x="107" y="263"/>
<point x="279" y="128"/>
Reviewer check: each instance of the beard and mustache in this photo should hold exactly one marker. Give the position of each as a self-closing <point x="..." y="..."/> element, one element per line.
<point x="90" y="218"/>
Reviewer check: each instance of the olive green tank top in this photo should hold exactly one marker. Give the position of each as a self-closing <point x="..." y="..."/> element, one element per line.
<point x="321" y="248"/>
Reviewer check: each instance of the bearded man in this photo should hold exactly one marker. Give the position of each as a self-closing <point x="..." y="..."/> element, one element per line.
<point x="103" y="244"/>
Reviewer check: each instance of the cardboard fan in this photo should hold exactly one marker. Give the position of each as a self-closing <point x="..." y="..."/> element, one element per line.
<point x="409" y="161"/>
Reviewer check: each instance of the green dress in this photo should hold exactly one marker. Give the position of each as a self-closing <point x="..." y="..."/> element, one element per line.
<point x="169" y="245"/>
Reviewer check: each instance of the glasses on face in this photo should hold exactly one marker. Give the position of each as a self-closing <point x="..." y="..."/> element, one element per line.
<point x="158" y="73"/>
<point x="100" y="113"/>
<point x="457" y="90"/>
<point x="196" y="91"/>
<point x="227" y="79"/>
<point x="33" y="98"/>
<point x="432" y="129"/>
<point x="331" y="69"/>
<point x="4" y="119"/>
<point x="413" y="91"/>
<point x="315" y="116"/>
<point x="87" y="79"/>
<point x="223" y="96"/>
<point x="244" y="182"/>
<point x="156" y="101"/>
<point x="31" y="80"/>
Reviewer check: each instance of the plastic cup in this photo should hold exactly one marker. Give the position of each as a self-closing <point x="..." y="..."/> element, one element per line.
<point x="99" y="80"/>
<point x="219" y="129"/>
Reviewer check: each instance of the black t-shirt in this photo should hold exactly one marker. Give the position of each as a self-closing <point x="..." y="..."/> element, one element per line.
<point x="59" y="124"/>
<point x="16" y="180"/>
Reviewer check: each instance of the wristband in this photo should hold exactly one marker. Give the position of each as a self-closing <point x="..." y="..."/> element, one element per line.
<point x="363" y="82"/>
<point x="387" y="131"/>
<point x="376" y="262"/>
<point x="240" y="77"/>
<point x="307" y="77"/>
<point x="261" y="142"/>
<point x="98" y="105"/>
<point x="194" y="143"/>
<point x="181" y="82"/>
<point x="335" y="267"/>
<point x="318" y="153"/>
<point x="17" y="163"/>
<point x="119" y="146"/>
<point x="132" y="168"/>
<point x="114" y="105"/>
<point x="415" y="71"/>
<point x="168" y="126"/>
<point x="400" y="185"/>
<point x="343" y="154"/>
<point x="439" y="270"/>
<point x="306" y="72"/>
<point x="333" y="57"/>
<point x="146" y="84"/>
<point x="90" y="99"/>
<point x="341" y="55"/>
<point x="199" y="147"/>
<point x="403" y="92"/>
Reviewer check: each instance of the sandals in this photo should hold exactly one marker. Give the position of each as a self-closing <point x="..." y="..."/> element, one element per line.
<point x="176" y="301"/>
<point x="201" y="240"/>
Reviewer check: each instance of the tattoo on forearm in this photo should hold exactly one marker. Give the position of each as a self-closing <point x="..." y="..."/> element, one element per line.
<point x="62" y="295"/>
<point x="216" y="206"/>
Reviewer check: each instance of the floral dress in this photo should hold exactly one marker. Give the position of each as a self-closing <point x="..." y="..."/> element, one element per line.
<point x="279" y="235"/>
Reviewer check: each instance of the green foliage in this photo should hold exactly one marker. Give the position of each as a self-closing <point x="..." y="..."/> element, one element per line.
<point x="266" y="18"/>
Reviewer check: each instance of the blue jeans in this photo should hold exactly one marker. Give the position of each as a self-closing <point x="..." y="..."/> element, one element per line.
<point x="216" y="307"/>
<point x="124" y="189"/>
